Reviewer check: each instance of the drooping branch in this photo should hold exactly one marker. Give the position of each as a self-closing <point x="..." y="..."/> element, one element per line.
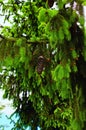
<point x="10" y="46"/>
<point x="12" y="39"/>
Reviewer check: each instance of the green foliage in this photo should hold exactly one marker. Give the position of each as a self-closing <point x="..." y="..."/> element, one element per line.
<point x="61" y="72"/>
<point x="43" y="64"/>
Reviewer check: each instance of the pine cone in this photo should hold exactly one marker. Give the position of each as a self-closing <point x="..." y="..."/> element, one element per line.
<point x="40" y="64"/>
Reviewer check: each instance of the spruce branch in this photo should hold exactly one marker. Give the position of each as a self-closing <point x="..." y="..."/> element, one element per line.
<point x="12" y="39"/>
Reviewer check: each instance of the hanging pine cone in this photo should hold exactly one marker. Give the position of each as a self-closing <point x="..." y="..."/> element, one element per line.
<point x="40" y="64"/>
<point x="50" y="3"/>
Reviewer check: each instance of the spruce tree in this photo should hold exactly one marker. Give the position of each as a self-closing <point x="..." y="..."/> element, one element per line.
<point x="43" y="63"/>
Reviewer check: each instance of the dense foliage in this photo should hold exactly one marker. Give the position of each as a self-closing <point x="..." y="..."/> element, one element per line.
<point x="43" y="63"/>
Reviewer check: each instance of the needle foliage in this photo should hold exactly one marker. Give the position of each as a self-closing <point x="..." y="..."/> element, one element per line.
<point x="43" y="63"/>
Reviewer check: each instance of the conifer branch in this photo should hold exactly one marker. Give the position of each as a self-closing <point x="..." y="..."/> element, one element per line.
<point x="12" y="39"/>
